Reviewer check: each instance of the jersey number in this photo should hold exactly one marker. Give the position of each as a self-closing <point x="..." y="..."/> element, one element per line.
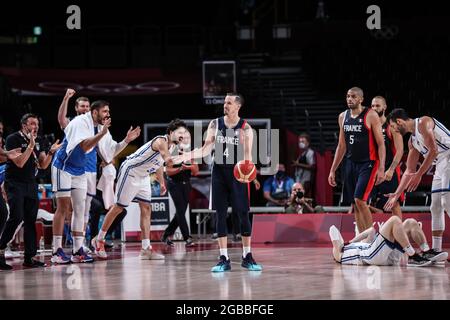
<point x="351" y="139"/>
<point x="225" y="152"/>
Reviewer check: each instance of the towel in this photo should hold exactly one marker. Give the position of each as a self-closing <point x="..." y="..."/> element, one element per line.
<point x="79" y="129"/>
<point x="108" y="148"/>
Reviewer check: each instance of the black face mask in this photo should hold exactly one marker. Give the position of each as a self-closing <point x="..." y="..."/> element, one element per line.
<point x="280" y="174"/>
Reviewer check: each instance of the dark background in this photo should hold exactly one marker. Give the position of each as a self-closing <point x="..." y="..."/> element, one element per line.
<point x="300" y="83"/>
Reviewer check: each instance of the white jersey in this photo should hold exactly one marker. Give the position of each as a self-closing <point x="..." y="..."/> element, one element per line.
<point x="145" y="160"/>
<point x="379" y="252"/>
<point x="442" y="136"/>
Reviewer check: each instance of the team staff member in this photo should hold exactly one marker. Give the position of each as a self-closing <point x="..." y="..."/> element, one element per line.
<point x="21" y="186"/>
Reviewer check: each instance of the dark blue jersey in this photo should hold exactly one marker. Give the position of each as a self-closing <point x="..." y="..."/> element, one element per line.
<point x="228" y="147"/>
<point x="359" y="138"/>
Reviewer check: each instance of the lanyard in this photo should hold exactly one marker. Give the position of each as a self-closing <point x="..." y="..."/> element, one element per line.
<point x="36" y="161"/>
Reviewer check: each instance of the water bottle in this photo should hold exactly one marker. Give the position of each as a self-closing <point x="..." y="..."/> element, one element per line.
<point x="42" y="245"/>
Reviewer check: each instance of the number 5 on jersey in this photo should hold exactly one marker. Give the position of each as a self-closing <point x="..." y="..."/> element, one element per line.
<point x="351" y="139"/>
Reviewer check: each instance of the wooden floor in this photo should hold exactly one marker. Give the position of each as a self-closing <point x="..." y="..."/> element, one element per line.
<point x="290" y="272"/>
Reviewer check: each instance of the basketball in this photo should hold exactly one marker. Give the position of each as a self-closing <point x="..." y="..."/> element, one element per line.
<point x="245" y="171"/>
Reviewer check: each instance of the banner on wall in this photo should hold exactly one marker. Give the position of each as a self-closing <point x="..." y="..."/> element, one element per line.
<point x="163" y="210"/>
<point x="301" y="228"/>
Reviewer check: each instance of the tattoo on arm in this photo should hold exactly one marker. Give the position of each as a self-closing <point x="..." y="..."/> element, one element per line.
<point x="394" y="165"/>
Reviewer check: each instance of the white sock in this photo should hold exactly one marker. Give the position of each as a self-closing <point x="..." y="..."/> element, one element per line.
<point x="437" y="243"/>
<point x="409" y="250"/>
<point x="77" y="243"/>
<point x="146" y="244"/>
<point x="245" y="250"/>
<point x="424" y="247"/>
<point x="101" y="235"/>
<point x="57" y="243"/>
<point x="224" y="252"/>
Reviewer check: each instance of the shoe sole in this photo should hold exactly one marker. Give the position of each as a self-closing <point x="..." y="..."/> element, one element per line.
<point x="441" y="257"/>
<point x="419" y="265"/>
<point x="60" y="262"/>
<point x="94" y="245"/>
<point x="99" y="256"/>
<point x="220" y="271"/>
<point x="249" y="269"/>
<point x="81" y="261"/>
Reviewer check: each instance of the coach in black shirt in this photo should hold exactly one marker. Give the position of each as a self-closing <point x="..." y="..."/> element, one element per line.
<point x="179" y="185"/>
<point x="22" y="189"/>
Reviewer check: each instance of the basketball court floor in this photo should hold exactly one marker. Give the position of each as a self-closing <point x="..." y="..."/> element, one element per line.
<point x="290" y="272"/>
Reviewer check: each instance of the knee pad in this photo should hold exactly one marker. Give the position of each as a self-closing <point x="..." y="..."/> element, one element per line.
<point x="446" y="202"/>
<point x="87" y="207"/>
<point x="437" y="213"/>
<point x="78" y="205"/>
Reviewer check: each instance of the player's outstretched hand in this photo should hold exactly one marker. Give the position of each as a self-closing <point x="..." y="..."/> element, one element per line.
<point x="106" y="125"/>
<point x="55" y="146"/>
<point x="414" y="181"/>
<point x="393" y="197"/>
<point x="132" y="134"/>
<point x="183" y="157"/>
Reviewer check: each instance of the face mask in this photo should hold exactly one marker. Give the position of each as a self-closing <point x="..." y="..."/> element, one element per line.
<point x="280" y="174"/>
<point x="302" y="145"/>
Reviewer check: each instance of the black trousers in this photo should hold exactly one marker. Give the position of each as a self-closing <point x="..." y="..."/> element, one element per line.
<point x="3" y="213"/>
<point x="23" y="206"/>
<point x="179" y="191"/>
<point x="225" y="187"/>
<point x="97" y="210"/>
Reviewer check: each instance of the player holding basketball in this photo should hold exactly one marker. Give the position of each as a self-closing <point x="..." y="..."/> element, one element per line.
<point x="361" y="142"/>
<point x="230" y="136"/>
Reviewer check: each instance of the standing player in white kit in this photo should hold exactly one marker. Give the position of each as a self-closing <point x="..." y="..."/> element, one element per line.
<point x="133" y="184"/>
<point x="430" y="138"/>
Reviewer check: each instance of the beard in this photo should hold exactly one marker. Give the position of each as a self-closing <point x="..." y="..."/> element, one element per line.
<point x="352" y="106"/>
<point x="101" y="120"/>
<point x="380" y="114"/>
